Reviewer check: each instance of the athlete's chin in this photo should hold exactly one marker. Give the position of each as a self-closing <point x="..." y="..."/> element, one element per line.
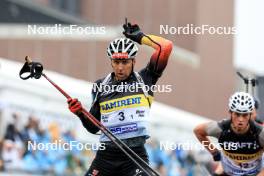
<point x="241" y="128"/>
<point x="121" y="77"/>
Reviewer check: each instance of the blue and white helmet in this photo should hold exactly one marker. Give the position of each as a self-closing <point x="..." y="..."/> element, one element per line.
<point x="241" y="102"/>
<point x="122" y="48"/>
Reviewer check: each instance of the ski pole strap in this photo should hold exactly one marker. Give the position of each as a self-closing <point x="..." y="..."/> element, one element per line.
<point x="31" y="70"/>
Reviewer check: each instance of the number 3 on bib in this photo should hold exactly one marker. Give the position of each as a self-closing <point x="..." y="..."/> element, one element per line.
<point x="122" y="117"/>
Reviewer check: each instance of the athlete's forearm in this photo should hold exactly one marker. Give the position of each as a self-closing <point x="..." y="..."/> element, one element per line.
<point x="202" y="136"/>
<point x="159" y="58"/>
<point x="90" y="127"/>
<point x="207" y="144"/>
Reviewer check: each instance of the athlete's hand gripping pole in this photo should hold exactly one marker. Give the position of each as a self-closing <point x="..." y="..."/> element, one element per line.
<point x="35" y="70"/>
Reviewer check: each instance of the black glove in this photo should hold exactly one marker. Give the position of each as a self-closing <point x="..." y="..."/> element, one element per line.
<point x="217" y="156"/>
<point x="133" y="32"/>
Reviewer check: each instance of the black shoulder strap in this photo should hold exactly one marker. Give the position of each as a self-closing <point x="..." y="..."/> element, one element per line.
<point x="255" y="128"/>
<point x="104" y="82"/>
<point x="141" y="82"/>
<point x="225" y="124"/>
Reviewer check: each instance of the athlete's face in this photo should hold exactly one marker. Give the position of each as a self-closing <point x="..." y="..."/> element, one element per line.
<point x="240" y="121"/>
<point x="122" y="68"/>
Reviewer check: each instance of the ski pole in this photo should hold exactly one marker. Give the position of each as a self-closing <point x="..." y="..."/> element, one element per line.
<point x="36" y="69"/>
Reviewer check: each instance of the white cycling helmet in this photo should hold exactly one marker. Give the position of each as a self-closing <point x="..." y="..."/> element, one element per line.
<point x="241" y="102"/>
<point x="122" y="48"/>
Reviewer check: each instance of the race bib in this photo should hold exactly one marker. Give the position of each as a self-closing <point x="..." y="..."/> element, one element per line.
<point x="125" y="116"/>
